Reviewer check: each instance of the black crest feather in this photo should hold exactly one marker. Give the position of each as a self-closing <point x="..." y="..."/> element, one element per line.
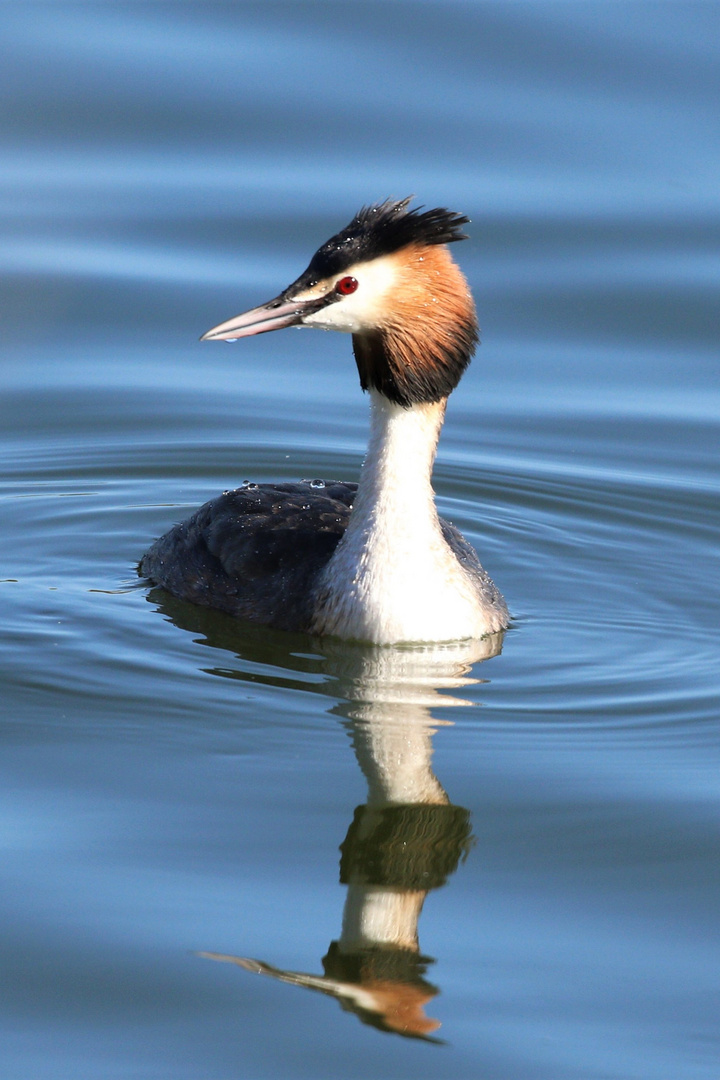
<point x="382" y="229"/>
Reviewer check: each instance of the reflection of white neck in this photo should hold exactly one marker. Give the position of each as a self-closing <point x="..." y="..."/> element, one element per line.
<point x="393" y="745"/>
<point x="376" y="917"/>
<point x="393" y="577"/>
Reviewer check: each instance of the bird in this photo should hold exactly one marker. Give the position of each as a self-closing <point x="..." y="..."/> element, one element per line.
<point x="368" y="562"/>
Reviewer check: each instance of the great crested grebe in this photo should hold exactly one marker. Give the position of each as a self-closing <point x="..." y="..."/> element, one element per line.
<point x="370" y="561"/>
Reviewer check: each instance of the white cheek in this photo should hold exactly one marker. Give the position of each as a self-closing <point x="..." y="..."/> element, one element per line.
<point x="363" y="309"/>
<point x="338" y="316"/>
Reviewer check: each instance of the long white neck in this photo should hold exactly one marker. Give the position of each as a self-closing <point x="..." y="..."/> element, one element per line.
<point x="395" y="502"/>
<point x="393" y="577"/>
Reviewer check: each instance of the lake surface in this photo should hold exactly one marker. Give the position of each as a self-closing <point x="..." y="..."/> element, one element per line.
<point x="198" y="817"/>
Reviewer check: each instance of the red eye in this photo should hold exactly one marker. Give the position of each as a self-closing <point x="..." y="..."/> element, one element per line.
<point x="346" y="285"/>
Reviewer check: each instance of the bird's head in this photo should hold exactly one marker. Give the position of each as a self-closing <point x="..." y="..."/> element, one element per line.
<point x="389" y="280"/>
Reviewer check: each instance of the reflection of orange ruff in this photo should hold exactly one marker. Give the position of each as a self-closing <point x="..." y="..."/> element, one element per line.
<point x="401" y="1007"/>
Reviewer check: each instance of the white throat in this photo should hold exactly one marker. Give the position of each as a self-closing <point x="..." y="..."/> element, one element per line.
<point x="393" y="577"/>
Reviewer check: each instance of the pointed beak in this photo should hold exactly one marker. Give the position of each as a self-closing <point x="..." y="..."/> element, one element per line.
<point x="275" y="315"/>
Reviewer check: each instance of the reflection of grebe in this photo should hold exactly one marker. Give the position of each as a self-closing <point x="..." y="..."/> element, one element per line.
<point x="405" y="841"/>
<point x="294" y="556"/>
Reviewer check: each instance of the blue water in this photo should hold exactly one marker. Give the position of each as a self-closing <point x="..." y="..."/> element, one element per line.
<point x="175" y="786"/>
